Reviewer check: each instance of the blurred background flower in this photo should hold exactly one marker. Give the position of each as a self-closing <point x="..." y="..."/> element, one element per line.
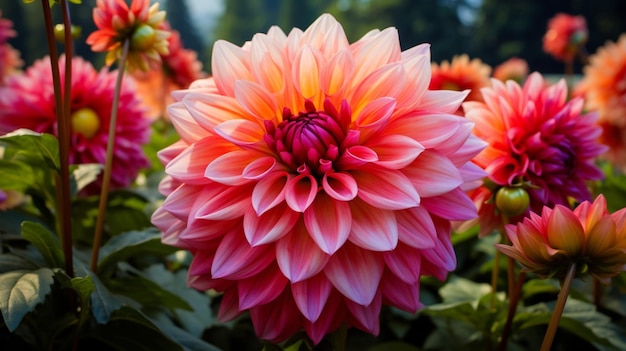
<point x="538" y="140"/>
<point x="565" y="37"/>
<point x="514" y="68"/>
<point x="9" y="57"/>
<point x="27" y="101"/>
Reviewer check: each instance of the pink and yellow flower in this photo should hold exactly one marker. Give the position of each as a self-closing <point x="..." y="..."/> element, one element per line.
<point x="589" y="236"/>
<point x="461" y="74"/>
<point x="315" y="180"/>
<point x="27" y="101"/>
<point x="605" y="90"/>
<point x="178" y="69"/>
<point x="537" y="139"/>
<point x="9" y="57"/>
<point x="140" y="25"/>
<point x="514" y="68"/>
<point x="565" y="36"/>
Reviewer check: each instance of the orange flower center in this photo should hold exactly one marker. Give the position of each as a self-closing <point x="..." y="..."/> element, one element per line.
<point x="311" y="141"/>
<point x="85" y="122"/>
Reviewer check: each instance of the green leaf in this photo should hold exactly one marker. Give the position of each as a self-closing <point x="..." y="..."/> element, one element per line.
<point x="132" y="244"/>
<point x="185" y="339"/>
<point x="103" y="303"/>
<point x="32" y="146"/>
<point x="45" y="241"/>
<point x="129" y="329"/>
<point x="21" y="291"/>
<point x="463" y="290"/>
<point x="16" y="175"/>
<point x="135" y="287"/>
<point x="11" y="262"/>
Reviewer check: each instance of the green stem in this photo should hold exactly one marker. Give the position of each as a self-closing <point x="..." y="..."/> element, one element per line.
<point x="566" y="286"/>
<point x="62" y="106"/>
<point x="339" y="338"/>
<point x="106" y="179"/>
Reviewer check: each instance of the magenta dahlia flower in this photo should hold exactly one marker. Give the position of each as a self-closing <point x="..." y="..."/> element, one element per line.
<point x="315" y="180"/>
<point x="538" y="141"/>
<point x="27" y="101"/>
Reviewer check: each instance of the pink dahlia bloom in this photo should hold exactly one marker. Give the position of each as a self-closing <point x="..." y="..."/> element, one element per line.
<point x="565" y="35"/>
<point x="589" y="236"/>
<point x="514" y="68"/>
<point x="27" y="101"/>
<point x="537" y="139"/>
<point x="9" y="57"/>
<point x="315" y="180"/>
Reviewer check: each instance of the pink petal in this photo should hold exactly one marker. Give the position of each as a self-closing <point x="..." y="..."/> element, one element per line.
<point x="306" y="73"/>
<point x="259" y="168"/>
<point x="565" y="232"/>
<point x="178" y="203"/>
<point x="366" y="316"/>
<point x="236" y="259"/>
<point x="374" y="116"/>
<point x="300" y="191"/>
<point x="430" y="130"/>
<point x="209" y="110"/>
<point x="261" y="288"/>
<point x="256" y="100"/>
<point x="373" y="228"/>
<point x="454" y="205"/>
<point x="223" y="203"/>
<point x="433" y="174"/>
<point x="189" y="166"/>
<point x="386" y="189"/>
<point x="267" y="63"/>
<point x="269" y="191"/>
<point x="355" y="273"/>
<point x="386" y="81"/>
<point x="340" y="186"/>
<point x="442" y="101"/>
<point x="270" y="226"/>
<point x="278" y="320"/>
<point x="186" y="127"/>
<point x="416" y="228"/>
<point x="328" y="221"/>
<point x="333" y="75"/>
<point x="241" y="132"/>
<point x="396" y="151"/>
<point x="404" y="262"/>
<point x="334" y="314"/>
<point x="230" y="63"/>
<point x="442" y="255"/>
<point x="229" y="167"/>
<point x="400" y="294"/>
<point x="375" y="51"/>
<point x="311" y="295"/>
<point x="229" y="307"/>
<point x="298" y="256"/>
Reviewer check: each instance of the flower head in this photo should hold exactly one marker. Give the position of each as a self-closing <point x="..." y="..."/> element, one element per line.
<point x="316" y="179"/>
<point x="566" y="34"/>
<point x="27" y="101"/>
<point x="178" y="69"/>
<point x="461" y="74"/>
<point x="538" y="140"/>
<point x="605" y="90"/>
<point x="588" y="236"/>
<point x="9" y="57"/>
<point x="514" y="68"/>
<point x="139" y="24"/>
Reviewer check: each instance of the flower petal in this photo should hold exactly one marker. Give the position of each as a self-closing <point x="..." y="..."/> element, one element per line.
<point x="328" y="222"/>
<point x="340" y="186"/>
<point x="269" y="191"/>
<point x="230" y="64"/>
<point x="373" y="228"/>
<point x="416" y="228"/>
<point x="433" y="174"/>
<point x="565" y="232"/>
<point x="236" y="259"/>
<point x="298" y="256"/>
<point x="256" y="100"/>
<point x="386" y="189"/>
<point x="300" y="191"/>
<point x="311" y="295"/>
<point x="269" y="226"/>
<point x="355" y="273"/>
<point x="229" y="167"/>
<point x="260" y="288"/>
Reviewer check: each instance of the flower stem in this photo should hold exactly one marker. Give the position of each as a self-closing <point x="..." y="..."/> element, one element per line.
<point x="513" y="300"/>
<point x="339" y="338"/>
<point x="566" y="286"/>
<point x="62" y="107"/>
<point x="106" y="179"/>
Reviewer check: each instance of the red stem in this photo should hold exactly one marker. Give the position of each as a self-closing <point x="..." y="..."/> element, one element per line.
<point x="559" y="307"/>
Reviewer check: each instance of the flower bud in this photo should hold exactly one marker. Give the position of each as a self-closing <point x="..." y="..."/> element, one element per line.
<point x="143" y="38"/>
<point x="512" y="201"/>
<point x="59" y="32"/>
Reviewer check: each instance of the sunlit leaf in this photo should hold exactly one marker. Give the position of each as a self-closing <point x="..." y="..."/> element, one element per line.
<point x="45" y="241"/>
<point x="21" y="291"/>
<point x="132" y="244"/>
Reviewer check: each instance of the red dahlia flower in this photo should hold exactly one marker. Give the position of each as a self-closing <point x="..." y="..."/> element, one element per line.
<point x="566" y="34"/>
<point x="27" y="101"/>
<point x="9" y="57"/>
<point x="537" y="139"/>
<point x="315" y="180"/>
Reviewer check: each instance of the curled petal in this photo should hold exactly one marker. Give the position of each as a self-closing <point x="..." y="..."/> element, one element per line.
<point x="340" y="186"/>
<point x="300" y="192"/>
<point x="328" y="222"/>
<point x="269" y="191"/>
<point x="229" y="168"/>
<point x="269" y="226"/>
<point x="386" y="189"/>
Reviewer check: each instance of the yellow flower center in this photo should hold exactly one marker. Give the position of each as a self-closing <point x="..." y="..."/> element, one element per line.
<point x="85" y="122"/>
<point x="143" y="38"/>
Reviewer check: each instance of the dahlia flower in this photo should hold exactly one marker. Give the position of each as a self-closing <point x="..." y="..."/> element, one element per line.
<point x="514" y="68"/>
<point x="9" y="57"/>
<point x="27" y="101"/>
<point x="588" y="236"/>
<point x="315" y="180"/>
<point x="537" y="140"/>
<point x="565" y="35"/>
<point x="140" y="24"/>
<point x="178" y="69"/>
<point x="461" y="74"/>
<point x="605" y="91"/>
